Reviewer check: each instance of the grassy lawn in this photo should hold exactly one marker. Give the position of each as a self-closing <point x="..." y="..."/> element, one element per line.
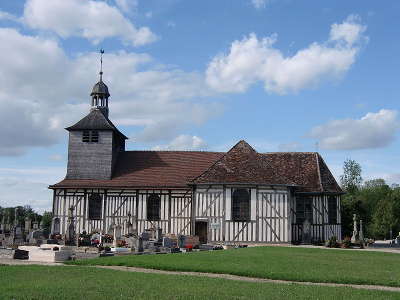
<point x="288" y="263"/>
<point x="44" y="282"/>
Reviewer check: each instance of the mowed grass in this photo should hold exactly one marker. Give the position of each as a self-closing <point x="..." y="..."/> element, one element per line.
<point x="287" y="263"/>
<point x="63" y="282"/>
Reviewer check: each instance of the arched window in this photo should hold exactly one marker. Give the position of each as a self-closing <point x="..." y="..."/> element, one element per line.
<point x="95" y="205"/>
<point x="241" y="205"/>
<point x="153" y="207"/>
<point x="332" y="210"/>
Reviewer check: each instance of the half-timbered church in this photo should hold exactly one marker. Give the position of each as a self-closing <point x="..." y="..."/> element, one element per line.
<point x="240" y="196"/>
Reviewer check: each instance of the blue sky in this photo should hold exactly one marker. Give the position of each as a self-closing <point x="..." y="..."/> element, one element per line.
<point x="199" y="75"/>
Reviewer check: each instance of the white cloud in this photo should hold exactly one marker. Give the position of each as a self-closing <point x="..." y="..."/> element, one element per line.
<point x="56" y="157"/>
<point x="259" y="4"/>
<point x="252" y="60"/>
<point x="374" y="130"/>
<point x="127" y="6"/>
<point x="184" y="142"/>
<point x="290" y="147"/>
<point x="28" y="186"/>
<point x="43" y="91"/>
<point x="7" y="16"/>
<point x="349" y="31"/>
<point x="93" y="20"/>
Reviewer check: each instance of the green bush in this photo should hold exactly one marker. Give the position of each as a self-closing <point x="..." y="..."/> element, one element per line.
<point x="332" y="242"/>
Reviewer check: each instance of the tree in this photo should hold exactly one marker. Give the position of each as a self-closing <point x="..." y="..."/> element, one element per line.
<point x="351" y="204"/>
<point x="351" y="178"/>
<point x="383" y="219"/>
<point x="46" y="220"/>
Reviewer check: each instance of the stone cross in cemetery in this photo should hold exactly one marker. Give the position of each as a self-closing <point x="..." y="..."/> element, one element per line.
<point x="70" y="238"/>
<point x="361" y="235"/>
<point x="35" y="225"/>
<point x="28" y="225"/>
<point x="355" y="231"/>
<point x="3" y="223"/>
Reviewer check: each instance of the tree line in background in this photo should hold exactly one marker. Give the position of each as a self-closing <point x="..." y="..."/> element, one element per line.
<point x="373" y="201"/>
<point x="8" y="214"/>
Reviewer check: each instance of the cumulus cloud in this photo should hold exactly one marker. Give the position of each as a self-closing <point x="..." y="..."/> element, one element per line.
<point x="43" y="91"/>
<point x="7" y="16"/>
<point x="184" y="142"/>
<point x="28" y="186"/>
<point x="289" y="147"/>
<point x="93" y="20"/>
<point x="251" y="60"/>
<point x="259" y="4"/>
<point x="374" y="130"/>
<point x="127" y="6"/>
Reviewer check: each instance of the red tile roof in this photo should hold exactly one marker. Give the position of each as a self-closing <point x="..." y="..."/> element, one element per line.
<point x="152" y="169"/>
<point x="242" y="164"/>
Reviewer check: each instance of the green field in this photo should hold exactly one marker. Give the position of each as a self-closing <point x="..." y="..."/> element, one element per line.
<point x="63" y="282"/>
<point x="287" y="263"/>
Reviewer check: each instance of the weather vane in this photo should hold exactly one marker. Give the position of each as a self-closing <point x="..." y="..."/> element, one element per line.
<point x="101" y="64"/>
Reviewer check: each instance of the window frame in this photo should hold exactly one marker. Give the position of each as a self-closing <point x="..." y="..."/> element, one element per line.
<point x="95" y="202"/>
<point x="304" y="209"/>
<point x="153" y="207"/>
<point x="241" y="207"/>
<point x="332" y="213"/>
<point x="90" y="136"/>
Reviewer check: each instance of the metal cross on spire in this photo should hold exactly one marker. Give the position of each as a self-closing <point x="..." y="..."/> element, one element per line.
<point x="101" y="64"/>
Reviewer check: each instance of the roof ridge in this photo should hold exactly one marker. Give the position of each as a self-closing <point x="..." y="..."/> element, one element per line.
<point x="222" y="157"/>
<point x="289" y="152"/>
<point x="187" y="151"/>
<point x="319" y="172"/>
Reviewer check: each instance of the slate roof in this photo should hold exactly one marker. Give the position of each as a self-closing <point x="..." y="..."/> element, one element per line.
<point x="101" y="89"/>
<point x="306" y="171"/>
<point x="95" y="120"/>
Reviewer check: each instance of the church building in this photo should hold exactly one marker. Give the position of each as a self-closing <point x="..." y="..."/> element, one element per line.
<point x="241" y="196"/>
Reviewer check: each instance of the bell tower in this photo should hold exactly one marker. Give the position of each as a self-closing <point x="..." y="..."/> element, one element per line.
<point x="94" y="142"/>
<point x="100" y="92"/>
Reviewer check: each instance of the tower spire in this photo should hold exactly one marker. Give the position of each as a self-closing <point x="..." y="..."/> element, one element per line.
<point x="101" y="64"/>
<point x="100" y="92"/>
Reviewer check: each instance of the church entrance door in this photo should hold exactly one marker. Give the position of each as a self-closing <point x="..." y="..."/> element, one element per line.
<point x="201" y="231"/>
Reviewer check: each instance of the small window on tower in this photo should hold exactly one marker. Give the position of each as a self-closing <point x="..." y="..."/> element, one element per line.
<point x="90" y="136"/>
<point x="86" y="136"/>
<point x="94" y="138"/>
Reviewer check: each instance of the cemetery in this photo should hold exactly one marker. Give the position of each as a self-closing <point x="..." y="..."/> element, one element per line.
<point x="29" y="241"/>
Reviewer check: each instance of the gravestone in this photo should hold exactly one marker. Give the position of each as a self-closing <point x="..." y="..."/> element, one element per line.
<point x="36" y="237"/>
<point x="139" y="245"/>
<point x="361" y="235"/>
<point x="355" y="231"/>
<point x="159" y="234"/>
<point x="56" y="226"/>
<point x="35" y="225"/>
<point x="28" y="225"/>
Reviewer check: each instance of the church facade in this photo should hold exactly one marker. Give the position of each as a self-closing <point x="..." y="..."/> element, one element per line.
<point x="240" y="196"/>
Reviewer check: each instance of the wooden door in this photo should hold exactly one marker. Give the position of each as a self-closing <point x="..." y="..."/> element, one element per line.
<point x="201" y="231"/>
